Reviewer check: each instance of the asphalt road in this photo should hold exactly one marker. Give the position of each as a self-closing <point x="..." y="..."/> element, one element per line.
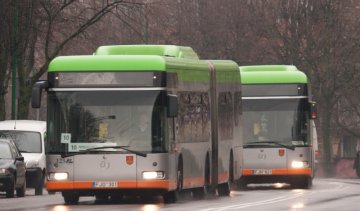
<point x="326" y="194"/>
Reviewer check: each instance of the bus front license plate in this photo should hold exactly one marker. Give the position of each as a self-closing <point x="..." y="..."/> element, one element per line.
<point x="105" y="184"/>
<point x="262" y="171"/>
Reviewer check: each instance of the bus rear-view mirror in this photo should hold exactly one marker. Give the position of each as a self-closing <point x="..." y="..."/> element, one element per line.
<point x="36" y="93"/>
<point x="172" y="102"/>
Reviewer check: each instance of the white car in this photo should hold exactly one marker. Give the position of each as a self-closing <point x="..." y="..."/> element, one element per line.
<point x="29" y="136"/>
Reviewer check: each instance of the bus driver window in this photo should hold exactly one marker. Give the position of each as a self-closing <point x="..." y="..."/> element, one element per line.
<point x="260" y="128"/>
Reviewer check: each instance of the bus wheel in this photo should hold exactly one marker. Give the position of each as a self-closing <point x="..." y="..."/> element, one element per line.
<point x="70" y="198"/>
<point x="307" y="182"/>
<point x="173" y="196"/>
<point x="202" y="192"/>
<point x="241" y="184"/>
<point x="116" y="198"/>
<point x="302" y="183"/>
<point x="101" y="198"/>
<point x="224" y="189"/>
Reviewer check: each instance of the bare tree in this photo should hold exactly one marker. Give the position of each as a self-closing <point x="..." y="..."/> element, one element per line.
<point x="5" y="53"/>
<point x="318" y="37"/>
<point x="47" y="27"/>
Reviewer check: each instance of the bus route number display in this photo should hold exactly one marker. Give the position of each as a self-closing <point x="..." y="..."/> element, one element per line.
<point x="65" y="138"/>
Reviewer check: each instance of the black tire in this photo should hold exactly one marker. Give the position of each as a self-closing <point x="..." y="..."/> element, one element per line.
<point x="307" y="183"/>
<point x="20" y="192"/>
<point x="51" y="192"/>
<point x="40" y="185"/>
<point x="224" y="189"/>
<point x="70" y="198"/>
<point x="241" y="184"/>
<point x="10" y="192"/>
<point x="202" y="192"/>
<point x="116" y="198"/>
<point x="173" y="196"/>
<point x="101" y="198"/>
<point x="170" y="197"/>
<point x="303" y="183"/>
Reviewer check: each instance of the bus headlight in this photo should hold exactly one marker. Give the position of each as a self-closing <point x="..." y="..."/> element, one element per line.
<point x="299" y="164"/>
<point x="58" y="176"/>
<point x="153" y="175"/>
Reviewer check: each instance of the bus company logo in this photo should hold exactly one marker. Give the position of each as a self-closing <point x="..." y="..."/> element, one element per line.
<point x="104" y="164"/>
<point x="262" y="156"/>
<point x="129" y="159"/>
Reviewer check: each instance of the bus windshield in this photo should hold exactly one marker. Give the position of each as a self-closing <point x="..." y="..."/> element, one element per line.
<point x="80" y="120"/>
<point x="282" y="121"/>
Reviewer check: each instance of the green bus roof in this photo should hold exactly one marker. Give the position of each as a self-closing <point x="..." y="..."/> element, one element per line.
<point x="106" y="63"/>
<point x="160" y="50"/>
<point x="272" y="74"/>
<point x="187" y="69"/>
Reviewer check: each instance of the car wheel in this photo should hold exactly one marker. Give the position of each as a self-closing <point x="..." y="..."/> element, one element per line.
<point x="20" y="192"/>
<point x="11" y="190"/>
<point x="40" y="185"/>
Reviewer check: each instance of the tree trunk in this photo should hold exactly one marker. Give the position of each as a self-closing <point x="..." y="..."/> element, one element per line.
<point x="325" y="126"/>
<point x="24" y="101"/>
<point x="2" y="107"/>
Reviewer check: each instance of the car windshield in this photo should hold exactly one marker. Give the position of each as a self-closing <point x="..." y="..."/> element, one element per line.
<point x="5" y="152"/>
<point x="26" y="141"/>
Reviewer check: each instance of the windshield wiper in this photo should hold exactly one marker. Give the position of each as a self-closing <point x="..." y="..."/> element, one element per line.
<point x="105" y="147"/>
<point x="271" y="142"/>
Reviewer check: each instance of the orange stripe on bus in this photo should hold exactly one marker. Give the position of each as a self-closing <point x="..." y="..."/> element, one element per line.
<point x="161" y="184"/>
<point x="224" y="177"/>
<point x="304" y="171"/>
<point x="129" y="184"/>
<point x="156" y="184"/>
<point x="193" y="182"/>
<point x="199" y="181"/>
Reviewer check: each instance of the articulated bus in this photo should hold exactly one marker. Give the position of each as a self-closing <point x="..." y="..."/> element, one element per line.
<point x="140" y="120"/>
<point x="277" y="111"/>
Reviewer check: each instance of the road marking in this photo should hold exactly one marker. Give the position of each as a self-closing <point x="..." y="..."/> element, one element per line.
<point x="245" y="205"/>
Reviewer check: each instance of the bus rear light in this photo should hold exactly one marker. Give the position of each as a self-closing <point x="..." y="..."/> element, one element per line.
<point x="149" y="175"/>
<point x="58" y="176"/>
